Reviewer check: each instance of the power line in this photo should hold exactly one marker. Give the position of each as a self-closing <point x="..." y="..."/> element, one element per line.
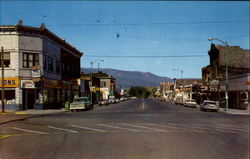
<point x="152" y="23"/>
<point x="142" y="56"/>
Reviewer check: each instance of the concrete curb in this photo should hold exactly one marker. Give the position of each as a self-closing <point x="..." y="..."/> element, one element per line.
<point x="30" y="116"/>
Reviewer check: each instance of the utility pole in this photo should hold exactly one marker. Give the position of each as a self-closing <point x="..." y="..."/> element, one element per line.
<point x="2" y="65"/>
<point x="182" y="84"/>
<point x="91" y="80"/>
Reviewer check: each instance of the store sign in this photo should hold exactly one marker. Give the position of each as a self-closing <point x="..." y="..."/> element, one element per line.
<point x="36" y="71"/>
<point x="27" y="84"/>
<point x="9" y="82"/>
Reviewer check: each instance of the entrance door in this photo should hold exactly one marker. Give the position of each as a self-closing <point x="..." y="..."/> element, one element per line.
<point x="29" y="98"/>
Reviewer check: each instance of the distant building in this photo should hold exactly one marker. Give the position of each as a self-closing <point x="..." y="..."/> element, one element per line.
<point x="104" y="86"/>
<point x="166" y="89"/>
<point x="213" y="75"/>
<point x="42" y="68"/>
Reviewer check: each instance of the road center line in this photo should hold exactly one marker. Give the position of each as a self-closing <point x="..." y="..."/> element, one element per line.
<point x="52" y="127"/>
<point x="145" y="127"/>
<point x="83" y="127"/>
<point x="32" y="131"/>
<point x="143" y="107"/>
<point x="116" y="127"/>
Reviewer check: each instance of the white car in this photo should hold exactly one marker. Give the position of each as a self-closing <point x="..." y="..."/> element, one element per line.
<point x="209" y="105"/>
<point x="191" y="103"/>
<point x="81" y="103"/>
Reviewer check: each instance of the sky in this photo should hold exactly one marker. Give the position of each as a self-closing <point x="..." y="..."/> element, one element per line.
<point x="161" y="37"/>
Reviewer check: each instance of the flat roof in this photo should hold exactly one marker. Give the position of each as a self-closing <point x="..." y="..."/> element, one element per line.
<point x="42" y="31"/>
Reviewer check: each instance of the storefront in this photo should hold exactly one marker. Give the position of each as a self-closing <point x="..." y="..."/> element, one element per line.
<point x="52" y="93"/>
<point x="10" y="86"/>
<point x="238" y="92"/>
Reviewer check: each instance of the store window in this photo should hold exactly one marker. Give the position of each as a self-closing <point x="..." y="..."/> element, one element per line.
<point x="6" y="59"/>
<point x="30" y="59"/>
<point x="9" y="96"/>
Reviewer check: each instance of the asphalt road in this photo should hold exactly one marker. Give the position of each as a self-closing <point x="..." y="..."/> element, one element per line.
<point x="135" y="129"/>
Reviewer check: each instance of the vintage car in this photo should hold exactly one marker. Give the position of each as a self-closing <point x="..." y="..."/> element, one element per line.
<point x="209" y="105"/>
<point x="81" y="103"/>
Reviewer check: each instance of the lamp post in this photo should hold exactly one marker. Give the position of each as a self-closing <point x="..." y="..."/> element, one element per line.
<point x="2" y="65"/>
<point x="181" y="71"/>
<point x="99" y="64"/>
<point x="91" y="77"/>
<point x="225" y="43"/>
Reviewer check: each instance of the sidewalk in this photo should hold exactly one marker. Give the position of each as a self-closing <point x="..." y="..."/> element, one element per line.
<point x="235" y="111"/>
<point x="9" y="116"/>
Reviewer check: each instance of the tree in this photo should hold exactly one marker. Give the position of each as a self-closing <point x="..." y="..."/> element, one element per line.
<point x="140" y="92"/>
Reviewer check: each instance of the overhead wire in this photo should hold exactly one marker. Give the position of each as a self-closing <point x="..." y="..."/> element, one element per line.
<point x="143" y="56"/>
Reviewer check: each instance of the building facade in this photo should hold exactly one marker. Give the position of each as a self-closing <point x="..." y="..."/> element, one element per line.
<point x="43" y="68"/>
<point x="213" y="75"/>
<point x="103" y="87"/>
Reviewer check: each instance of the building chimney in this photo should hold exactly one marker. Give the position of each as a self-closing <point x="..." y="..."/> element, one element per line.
<point x="20" y="22"/>
<point x="42" y="26"/>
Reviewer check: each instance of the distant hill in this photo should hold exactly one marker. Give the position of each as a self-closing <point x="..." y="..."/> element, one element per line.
<point x="128" y="79"/>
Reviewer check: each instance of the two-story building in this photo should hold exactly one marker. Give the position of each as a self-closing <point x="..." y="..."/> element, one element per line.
<point x="41" y="66"/>
<point x="213" y="75"/>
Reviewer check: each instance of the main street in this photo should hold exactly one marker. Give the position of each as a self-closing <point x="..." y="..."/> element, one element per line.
<point x="135" y="129"/>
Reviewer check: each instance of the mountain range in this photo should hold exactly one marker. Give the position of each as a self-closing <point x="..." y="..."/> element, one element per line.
<point x="127" y="79"/>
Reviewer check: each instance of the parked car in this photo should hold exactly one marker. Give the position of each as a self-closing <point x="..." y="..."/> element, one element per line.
<point x="209" y="105"/>
<point x="103" y="102"/>
<point x="81" y="103"/>
<point x="117" y="100"/>
<point x="178" y="101"/>
<point x="111" y="100"/>
<point x="122" y="99"/>
<point x="190" y="103"/>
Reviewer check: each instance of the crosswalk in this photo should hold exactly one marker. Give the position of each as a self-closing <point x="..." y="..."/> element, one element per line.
<point x="125" y="127"/>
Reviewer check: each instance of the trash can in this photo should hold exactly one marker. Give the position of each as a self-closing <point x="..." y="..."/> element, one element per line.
<point x="66" y="105"/>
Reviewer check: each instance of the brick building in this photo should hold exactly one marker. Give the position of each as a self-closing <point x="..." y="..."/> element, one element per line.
<point x="213" y="75"/>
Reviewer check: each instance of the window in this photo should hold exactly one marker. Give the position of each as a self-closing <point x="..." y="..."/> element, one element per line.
<point x="58" y="66"/>
<point x="30" y="59"/>
<point x="6" y="59"/>
<point x="45" y="63"/>
<point x="50" y="64"/>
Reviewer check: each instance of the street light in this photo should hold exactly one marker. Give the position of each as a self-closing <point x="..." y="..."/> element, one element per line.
<point x="225" y="43"/>
<point x="91" y="77"/>
<point x="2" y="65"/>
<point x="181" y="71"/>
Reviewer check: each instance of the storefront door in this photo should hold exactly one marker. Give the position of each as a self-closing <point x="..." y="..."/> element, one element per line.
<point x="29" y="98"/>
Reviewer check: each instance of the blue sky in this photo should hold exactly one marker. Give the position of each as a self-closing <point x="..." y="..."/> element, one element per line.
<point x="145" y="28"/>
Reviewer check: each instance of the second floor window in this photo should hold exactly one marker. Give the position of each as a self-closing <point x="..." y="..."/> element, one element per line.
<point x="6" y="59"/>
<point x="45" y="63"/>
<point x="58" y="66"/>
<point x="30" y="59"/>
<point x="50" y="64"/>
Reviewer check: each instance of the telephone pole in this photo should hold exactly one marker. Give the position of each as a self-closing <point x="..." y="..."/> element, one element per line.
<point x="2" y="65"/>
